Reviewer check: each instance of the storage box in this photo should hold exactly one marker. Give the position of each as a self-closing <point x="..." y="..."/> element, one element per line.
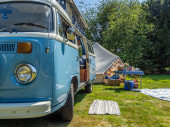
<point x="82" y="75"/>
<point x="135" y="85"/>
<point x="121" y="77"/>
<point x="110" y="82"/>
<point x="105" y="81"/>
<point x="122" y="81"/>
<point x="120" y="68"/>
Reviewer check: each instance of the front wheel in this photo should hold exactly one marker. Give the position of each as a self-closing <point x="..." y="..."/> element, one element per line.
<point x="67" y="110"/>
<point x="89" y="87"/>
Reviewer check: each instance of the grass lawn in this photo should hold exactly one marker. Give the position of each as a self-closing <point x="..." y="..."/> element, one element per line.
<point x="137" y="110"/>
<point x="168" y="69"/>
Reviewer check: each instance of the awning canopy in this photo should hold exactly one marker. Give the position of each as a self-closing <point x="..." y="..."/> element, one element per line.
<point x="104" y="59"/>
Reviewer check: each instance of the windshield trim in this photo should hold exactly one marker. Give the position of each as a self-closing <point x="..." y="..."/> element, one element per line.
<point x="36" y="2"/>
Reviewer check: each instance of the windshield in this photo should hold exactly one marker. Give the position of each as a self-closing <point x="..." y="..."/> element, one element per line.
<point x="25" y="17"/>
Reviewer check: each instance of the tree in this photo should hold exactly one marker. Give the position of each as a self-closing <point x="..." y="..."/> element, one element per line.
<point x="127" y="31"/>
<point x="160" y="36"/>
<point x="138" y="33"/>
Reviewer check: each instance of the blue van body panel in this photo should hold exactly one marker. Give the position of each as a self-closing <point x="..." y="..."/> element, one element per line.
<point x="54" y="71"/>
<point x="66" y="66"/>
<point x="92" y="68"/>
<point x="40" y="89"/>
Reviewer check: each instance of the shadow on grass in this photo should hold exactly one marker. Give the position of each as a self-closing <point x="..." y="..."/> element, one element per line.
<point x="80" y="96"/>
<point x="117" y="90"/>
<point x="157" y="77"/>
<point x="53" y="120"/>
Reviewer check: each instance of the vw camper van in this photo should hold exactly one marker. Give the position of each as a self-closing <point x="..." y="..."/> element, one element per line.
<point x="44" y="60"/>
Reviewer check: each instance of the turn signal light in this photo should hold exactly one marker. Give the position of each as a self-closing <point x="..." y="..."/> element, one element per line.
<point x="24" y="47"/>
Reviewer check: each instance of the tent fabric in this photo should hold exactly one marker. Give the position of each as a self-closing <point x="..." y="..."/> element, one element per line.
<point x="104" y="58"/>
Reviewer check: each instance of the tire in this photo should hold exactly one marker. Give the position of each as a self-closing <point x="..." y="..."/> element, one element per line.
<point x="89" y="87"/>
<point x="68" y="109"/>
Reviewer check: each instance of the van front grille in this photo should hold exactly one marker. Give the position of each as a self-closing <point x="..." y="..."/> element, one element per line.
<point x="8" y="48"/>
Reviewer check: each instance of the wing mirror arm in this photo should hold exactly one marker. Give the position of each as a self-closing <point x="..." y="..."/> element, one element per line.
<point x="66" y="41"/>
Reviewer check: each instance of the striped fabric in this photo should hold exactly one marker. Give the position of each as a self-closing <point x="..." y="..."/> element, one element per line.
<point x="103" y="107"/>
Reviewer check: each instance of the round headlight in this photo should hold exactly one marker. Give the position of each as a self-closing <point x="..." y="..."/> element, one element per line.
<point x="25" y="73"/>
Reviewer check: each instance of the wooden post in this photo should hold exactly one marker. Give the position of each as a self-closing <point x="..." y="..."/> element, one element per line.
<point x="87" y="59"/>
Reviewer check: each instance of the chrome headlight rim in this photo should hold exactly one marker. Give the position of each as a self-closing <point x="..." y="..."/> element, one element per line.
<point x="33" y="71"/>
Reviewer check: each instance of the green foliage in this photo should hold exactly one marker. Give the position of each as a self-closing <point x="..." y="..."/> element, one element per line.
<point x="159" y="11"/>
<point x="80" y="52"/>
<point x="126" y="33"/>
<point x="138" y="33"/>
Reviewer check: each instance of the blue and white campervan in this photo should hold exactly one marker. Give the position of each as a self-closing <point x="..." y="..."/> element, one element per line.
<point x="44" y="60"/>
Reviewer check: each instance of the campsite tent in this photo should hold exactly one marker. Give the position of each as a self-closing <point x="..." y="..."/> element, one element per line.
<point x="104" y="61"/>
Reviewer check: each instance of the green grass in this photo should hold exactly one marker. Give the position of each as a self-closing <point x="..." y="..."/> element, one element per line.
<point x="156" y="81"/>
<point x="137" y="110"/>
<point x="168" y="69"/>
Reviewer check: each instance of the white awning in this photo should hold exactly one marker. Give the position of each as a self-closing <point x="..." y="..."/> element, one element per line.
<point x="104" y="58"/>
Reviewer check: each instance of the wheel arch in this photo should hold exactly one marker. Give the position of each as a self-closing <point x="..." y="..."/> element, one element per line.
<point x="75" y="83"/>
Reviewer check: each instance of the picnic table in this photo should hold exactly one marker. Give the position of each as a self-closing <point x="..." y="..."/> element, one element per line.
<point x="130" y="73"/>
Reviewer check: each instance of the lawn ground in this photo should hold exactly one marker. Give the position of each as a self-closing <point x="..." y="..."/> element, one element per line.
<point x="168" y="69"/>
<point x="137" y="110"/>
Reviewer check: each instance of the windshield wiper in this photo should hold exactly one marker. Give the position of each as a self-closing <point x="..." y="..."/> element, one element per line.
<point x="30" y="24"/>
<point x="6" y="28"/>
<point x="20" y="24"/>
<point x="3" y="29"/>
<point x="10" y="28"/>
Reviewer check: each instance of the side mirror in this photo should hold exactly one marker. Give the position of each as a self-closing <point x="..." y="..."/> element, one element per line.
<point x="70" y="34"/>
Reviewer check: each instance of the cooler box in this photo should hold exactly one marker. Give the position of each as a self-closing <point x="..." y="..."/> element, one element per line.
<point x="130" y="86"/>
<point x="135" y="85"/>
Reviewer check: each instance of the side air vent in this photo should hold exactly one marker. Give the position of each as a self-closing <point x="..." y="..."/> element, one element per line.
<point x="8" y="48"/>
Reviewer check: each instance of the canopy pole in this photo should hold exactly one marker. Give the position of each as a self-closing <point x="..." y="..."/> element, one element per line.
<point x="141" y="83"/>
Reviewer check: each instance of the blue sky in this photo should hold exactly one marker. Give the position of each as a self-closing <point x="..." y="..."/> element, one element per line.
<point x="91" y="2"/>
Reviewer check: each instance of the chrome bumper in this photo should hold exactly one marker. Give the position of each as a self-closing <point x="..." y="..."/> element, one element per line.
<point x="24" y="110"/>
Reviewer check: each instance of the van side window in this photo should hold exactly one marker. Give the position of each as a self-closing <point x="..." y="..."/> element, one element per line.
<point x="60" y="25"/>
<point x="74" y="41"/>
<point x="64" y="25"/>
<point x="90" y="48"/>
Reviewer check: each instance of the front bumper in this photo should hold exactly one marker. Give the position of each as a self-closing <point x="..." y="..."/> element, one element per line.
<point x="24" y="110"/>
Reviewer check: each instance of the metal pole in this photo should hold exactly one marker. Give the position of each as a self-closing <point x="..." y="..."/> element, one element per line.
<point x="115" y="80"/>
<point x="141" y="83"/>
<point x="125" y="77"/>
